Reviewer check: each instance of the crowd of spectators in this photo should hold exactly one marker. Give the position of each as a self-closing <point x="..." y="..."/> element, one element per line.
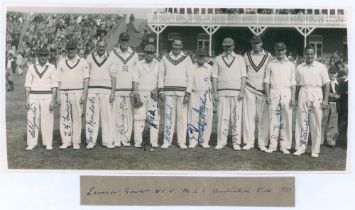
<point x="27" y="32"/>
<point x="14" y="23"/>
<point x="54" y="30"/>
<point x="339" y="63"/>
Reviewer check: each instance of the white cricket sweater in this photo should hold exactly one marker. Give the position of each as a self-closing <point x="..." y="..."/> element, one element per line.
<point x="256" y="66"/>
<point x="100" y="75"/>
<point x="175" y="74"/>
<point x="72" y="73"/>
<point x="229" y="70"/>
<point x="123" y="64"/>
<point x="146" y="75"/>
<point x="41" y="78"/>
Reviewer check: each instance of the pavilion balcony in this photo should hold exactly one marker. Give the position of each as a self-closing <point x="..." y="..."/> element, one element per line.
<point x="232" y="20"/>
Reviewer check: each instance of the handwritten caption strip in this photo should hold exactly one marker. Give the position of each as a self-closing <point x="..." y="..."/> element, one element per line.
<point x="197" y="191"/>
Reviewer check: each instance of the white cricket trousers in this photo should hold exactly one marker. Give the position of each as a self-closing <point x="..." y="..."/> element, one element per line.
<point x="200" y="115"/>
<point x="148" y="114"/>
<point x="174" y="105"/>
<point x="229" y="116"/>
<point x="123" y="119"/>
<point x="255" y="110"/>
<point x="39" y="113"/>
<point x="99" y="110"/>
<point x="309" y="118"/>
<point x="281" y="118"/>
<point x="70" y="117"/>
<point x="330" y="124"/>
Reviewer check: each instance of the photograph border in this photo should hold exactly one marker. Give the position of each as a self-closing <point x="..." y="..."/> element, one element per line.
<point x="114" y="6"/>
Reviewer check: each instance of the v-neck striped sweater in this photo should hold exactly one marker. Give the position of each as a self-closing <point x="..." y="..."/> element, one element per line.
<point x="72" y="73"/>
<point x="228" y="72"/>
<point x="256" y="66"/>
<point x="175" y="75"/>
<point x="100" y="75"/>
<point x="41" y="78"/>
<point x="123" y="63"/>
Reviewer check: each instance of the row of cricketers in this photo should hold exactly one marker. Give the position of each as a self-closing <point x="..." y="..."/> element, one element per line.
<point x="121" y="93"/>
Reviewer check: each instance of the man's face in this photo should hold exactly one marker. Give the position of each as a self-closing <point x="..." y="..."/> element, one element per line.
<point x="177" y="47"/>
<point x="256" y="46"/>
<point x="42" y="59"/>
<point x="280" y="54"/>
<point x="333" y="76"/>
<point x="201" y="59"/>
<point x="101" y="47"/>
<point x="82" y="53"/>
<point x="124" y="44"/>
<point x="72" y="53"/>
<point x="148" y="56"/>
<point x="309" y="55"/>
<point x="228" y="49"/>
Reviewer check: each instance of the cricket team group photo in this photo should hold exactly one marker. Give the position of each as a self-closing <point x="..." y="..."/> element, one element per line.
<point x="107" y="91"/>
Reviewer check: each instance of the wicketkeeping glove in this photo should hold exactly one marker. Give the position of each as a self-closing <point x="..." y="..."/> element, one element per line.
<point x="154" y="94"/>
<point x="137" y="102"/>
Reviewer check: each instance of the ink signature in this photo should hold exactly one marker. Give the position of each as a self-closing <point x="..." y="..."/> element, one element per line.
<point x="123" y="125"/>
<point x="66" y="117"/>
<point x="151" y="119"/>
<point x="279" y="126"/>
<point x="32" y="126"/>
<point x="201" y="121"/>
<point x="169" y="121"/>
<point x="235" y="119"/>
<point x="305" y="128"/>
<point x="90" y="123"/>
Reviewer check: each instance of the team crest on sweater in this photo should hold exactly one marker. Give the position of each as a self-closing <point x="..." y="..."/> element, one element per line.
<point x="97" y="62"/>
<point x="124" y="61"/>
<point x="175" y="62"/>
<point x="262" y="62"/>
<point x="43" y="72"/>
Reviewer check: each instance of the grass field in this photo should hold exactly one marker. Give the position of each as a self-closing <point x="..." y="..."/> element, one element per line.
<point x="132" y="158"/>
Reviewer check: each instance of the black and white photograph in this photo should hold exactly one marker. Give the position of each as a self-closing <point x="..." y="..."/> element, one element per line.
<point x="177" y="88"/>
<point x="188" y="90"/>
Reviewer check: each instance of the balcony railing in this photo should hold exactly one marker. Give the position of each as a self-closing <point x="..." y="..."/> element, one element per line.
<point x="277" y="20"/>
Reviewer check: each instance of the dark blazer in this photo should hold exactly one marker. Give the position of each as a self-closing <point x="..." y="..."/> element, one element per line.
<point x="343" y="101"/>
